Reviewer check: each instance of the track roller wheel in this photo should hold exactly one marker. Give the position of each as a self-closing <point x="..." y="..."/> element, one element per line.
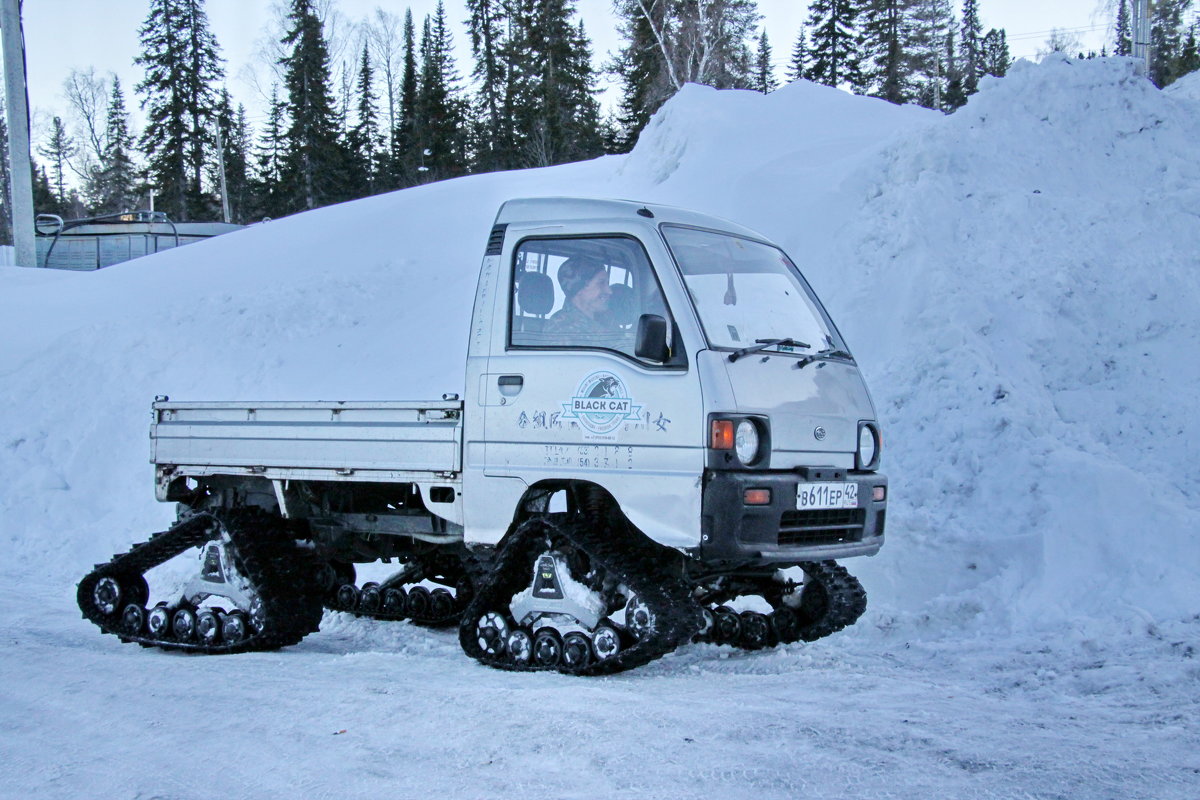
<point x="441" y="603"/>
<point x="419" y="602"/>
<point x="492" y="633"/>
<point x="606" y="642"/>
<point x="234" y="627"/>
<point x="547" y="648"/>
<point x="183" y="624"/>
<point x="756" y="630"/>
<point x="208" y="626"/>
<point x="576" y="650"/>
<point x="639" y="619"/>
<point x="785" y="625"/>
<point x="133" y="619"/>
<point x="727" y="625"/>
<point x="347" y="597"/>
<point x="158" y="621"/>
<point x="370" y="598"/>
<point x="107" y="594"/>
<point x="394" y="602"/>
<point x="520" y="646"/>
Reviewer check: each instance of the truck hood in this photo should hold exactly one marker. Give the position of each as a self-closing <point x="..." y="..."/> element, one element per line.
<point x="814" y="411"/>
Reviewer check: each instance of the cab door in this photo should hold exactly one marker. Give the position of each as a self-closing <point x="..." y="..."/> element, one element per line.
<point x="567" y="397"/>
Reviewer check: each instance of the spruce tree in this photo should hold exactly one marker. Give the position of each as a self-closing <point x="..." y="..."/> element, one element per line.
<point x="884" y="48"/>
<point x="643" y="72"/>
<point x="266" y="181"/>
<point x="313" y="160"/>
<point x="364" y="140"/>
<point x="972" y="46"/>
<point x="234" y="157"/>
<point x="764" y="73"/>
<point x="486" y="26"/>
<point x="933" y="24"/>
<point x="996" y="59"/>
<point x="834" y="47"/>
<point x="404" y="155"/>
<point x="116" y="184"/>
<point x="440" y="114"/>
<point x="956" y="95"/>
<point x="798" y="68"/>
<point x="1124" y="45"/>
<point x="182" y="64"/>
<point x="1166" y="40"/>
<point x="59" y="149"/>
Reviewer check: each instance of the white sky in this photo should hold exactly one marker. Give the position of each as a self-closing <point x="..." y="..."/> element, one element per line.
<point x="65" y="34"/>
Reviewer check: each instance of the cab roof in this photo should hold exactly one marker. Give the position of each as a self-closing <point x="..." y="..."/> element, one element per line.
<point x="542" y="210"/>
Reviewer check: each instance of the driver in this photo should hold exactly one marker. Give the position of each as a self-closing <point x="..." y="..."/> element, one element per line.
<point x="584" y="283"/>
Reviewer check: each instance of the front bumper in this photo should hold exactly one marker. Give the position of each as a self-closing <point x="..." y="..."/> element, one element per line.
<point x="778" y="533"/>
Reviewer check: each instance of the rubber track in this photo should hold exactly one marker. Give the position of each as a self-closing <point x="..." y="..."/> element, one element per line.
<point x="846" y="600"/>
<point x="630" y="559"/>
<point x="263" y="552"/>
<point x="476" y="563"/>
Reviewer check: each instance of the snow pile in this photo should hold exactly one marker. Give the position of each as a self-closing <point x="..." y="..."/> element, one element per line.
<point x="1025" y="300"/>
<point x="1018" y="281"/>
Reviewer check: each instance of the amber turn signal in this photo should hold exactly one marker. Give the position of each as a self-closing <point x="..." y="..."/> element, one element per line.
<point x="722" y="434"/>
<point x="757" y="497"/>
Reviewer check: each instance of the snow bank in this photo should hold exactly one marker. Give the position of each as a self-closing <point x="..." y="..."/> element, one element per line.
<point x="1018" y="281"/>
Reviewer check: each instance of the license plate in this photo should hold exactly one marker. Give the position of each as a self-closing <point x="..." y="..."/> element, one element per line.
<point x="826" y="495"/>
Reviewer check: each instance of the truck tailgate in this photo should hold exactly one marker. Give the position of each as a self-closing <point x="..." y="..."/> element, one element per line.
<point x="343" y="437"/>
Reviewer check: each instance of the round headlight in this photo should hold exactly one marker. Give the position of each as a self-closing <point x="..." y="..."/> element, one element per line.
<point x="745" y="442"/>
<point x="868" y="446"/>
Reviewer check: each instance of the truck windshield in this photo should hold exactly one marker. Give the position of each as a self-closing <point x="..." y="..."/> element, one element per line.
<point x="745" y="291"/>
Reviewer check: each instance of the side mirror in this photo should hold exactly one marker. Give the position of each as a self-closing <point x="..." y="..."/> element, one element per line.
<point x="651" y="341"/>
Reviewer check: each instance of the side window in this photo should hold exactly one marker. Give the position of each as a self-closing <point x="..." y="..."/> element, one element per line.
<point x="582" y="292"/>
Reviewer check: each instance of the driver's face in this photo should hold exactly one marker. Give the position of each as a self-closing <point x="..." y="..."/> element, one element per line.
<point x="593" y="297"/>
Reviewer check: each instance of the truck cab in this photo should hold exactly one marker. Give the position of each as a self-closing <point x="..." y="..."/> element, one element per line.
<point x="681" y="363"/>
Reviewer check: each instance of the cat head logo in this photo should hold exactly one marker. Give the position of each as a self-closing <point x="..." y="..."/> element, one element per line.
<point x="601" y="403"/>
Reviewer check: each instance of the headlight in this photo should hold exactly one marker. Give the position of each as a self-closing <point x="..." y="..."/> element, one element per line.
<point x="869" y="443"/>
<point x="745" y="442"/>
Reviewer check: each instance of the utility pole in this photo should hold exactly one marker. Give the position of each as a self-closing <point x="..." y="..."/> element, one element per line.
<point x="16" y="104"/>
<point x="221" y="165"/>
<point x="1141" y="33"/>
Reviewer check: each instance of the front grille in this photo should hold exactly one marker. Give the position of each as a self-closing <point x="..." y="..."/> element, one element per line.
<point x="825" y="526"/>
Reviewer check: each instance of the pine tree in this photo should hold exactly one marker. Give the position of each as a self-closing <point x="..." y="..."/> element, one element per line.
<point x="116" y="184"/>
<point x="1124" y="45"/>
<point x="180" y="56"/>
<point x="364" y="141"/>
<point x="1189" y="58"/>
<point x="996" y="59"/>
<point x="884" y="45"/>
<point x="972" y="46"/>
<point x="764" y="73"/>
<point x="834" y="26"/>
<point x="313" y="160"/>
<point x="798" y="68"/>
<point x="59" y="149"/>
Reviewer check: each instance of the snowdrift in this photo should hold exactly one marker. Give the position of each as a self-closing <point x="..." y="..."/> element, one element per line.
<point x="1019" y="281"/>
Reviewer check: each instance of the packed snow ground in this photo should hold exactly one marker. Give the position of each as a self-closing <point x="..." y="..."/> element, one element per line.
<point x="1019" y="282"/>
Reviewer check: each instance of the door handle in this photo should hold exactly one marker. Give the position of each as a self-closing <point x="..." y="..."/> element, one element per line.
<point x="510" y="385"/>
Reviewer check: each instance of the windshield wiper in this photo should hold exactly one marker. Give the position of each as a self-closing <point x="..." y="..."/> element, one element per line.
<point x="828" y="354"/>
<point x="762" y="344"/>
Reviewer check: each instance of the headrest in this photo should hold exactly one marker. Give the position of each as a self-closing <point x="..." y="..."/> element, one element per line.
<point x="535" y="293"/>
<point x="621" y="304"/>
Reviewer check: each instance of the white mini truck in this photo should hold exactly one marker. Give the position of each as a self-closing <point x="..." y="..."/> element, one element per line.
<point x="655" y="424"/>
